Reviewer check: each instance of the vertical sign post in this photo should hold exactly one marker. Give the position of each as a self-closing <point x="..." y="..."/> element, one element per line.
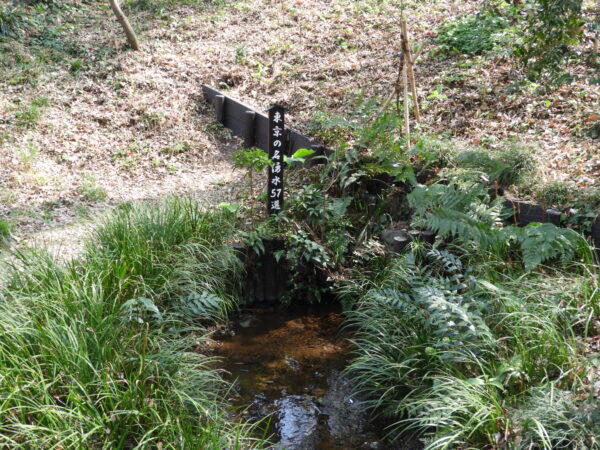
<point x="276" y="152"/>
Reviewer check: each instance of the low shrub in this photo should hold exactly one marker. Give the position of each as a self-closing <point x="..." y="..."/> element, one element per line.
<point x="556" y="194"/>
<point x="474" y="34"/>
<point x="511" y="164"/>
<point x="13" y="21"/>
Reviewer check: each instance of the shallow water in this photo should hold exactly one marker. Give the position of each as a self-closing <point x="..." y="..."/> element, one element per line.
<point x="288" y="364"/>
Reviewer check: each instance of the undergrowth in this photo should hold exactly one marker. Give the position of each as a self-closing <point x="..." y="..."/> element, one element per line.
<point x="102" y="352"/>
<point x="474" y="34"/>
<point x="462" y="361"/>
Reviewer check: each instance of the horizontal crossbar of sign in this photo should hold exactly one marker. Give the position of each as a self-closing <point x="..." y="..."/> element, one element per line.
<point x="234" y="115"/>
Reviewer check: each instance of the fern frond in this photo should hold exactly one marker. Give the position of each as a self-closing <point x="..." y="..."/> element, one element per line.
<point x="459" y="210"/>
<point x="543" y="242"/>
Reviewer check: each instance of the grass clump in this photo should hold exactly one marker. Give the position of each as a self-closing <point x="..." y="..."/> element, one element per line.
<point x="90" y="191"/>
<point x="555" y="419"/>
<point x="556" y="194"/>
<point x="93" y="353"/>
<point x="512" y="164"/>
<point x="581" y="206"/>
<point x="12" y="21"/>
<point x="474" y="34"/>
<point x="28" y="116"/>
<point x="5" y="231"/>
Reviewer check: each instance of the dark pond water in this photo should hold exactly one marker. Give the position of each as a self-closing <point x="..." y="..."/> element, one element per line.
<point x="288" y="365"/>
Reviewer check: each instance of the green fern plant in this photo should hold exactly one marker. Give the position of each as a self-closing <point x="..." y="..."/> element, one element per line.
<point x="140" y="310"/>
<point x="421" y="321"/>
<point x="202" y="307"/>
<point x="544" y="242"/>
<point x="463" y="212"/>
<point x="459" y="210"/>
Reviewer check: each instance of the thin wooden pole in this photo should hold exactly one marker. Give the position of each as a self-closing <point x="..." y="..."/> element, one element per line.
<point x="406" y="110"/>
<point x="409" y="61"/>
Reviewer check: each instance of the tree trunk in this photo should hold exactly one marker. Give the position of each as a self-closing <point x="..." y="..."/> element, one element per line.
<point x="131" y="39"/>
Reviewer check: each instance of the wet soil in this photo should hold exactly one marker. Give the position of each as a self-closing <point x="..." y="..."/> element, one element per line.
<point x="288" y="365"/>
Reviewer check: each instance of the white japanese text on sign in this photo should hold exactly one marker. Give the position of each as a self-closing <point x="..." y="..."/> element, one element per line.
<point x="276" y="152"/>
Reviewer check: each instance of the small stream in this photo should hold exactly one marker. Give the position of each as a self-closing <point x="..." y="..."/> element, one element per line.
<point x="288" y="364"/>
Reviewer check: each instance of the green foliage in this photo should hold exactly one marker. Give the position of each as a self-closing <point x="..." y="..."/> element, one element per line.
<point x="12" y="21"/>
<point x="44" y="43"/>
<point x="539" y="32"/>
<point x="141" y="310"/>
<point x="299" y="156"/>
<point x="378" y="146"/>
<point x="474" y="34"/>
<point x="553" y="418"/>
<point x="334" y="130"/>
<point x="544" y="242"/>
<point x="92" y="352"/>
<point x="303" y="250"/>
<point x="557" y="194"/>
<point x="203" y="307"/>
<point x="432" y="151"/>
<point x="320" y="227"/>
<point x="463" y="412"/>
<point x="551" y="26"/>
<point x="512" y="164"/>
<point x="457" y="358"/>
<point x="158" y="6"/>
<point x="463" y="211"/>
<point x="521" y="161"/>
<point x="456" y="332"/>
<point x="253" y="161"/>
<point x="5" y="231"/>
<point x="418" y="324"/>
<point x="459" y="210"/>
<point x="316" y="206"/>
<point x="164" y="251"/>
<point x="90" y="191"/>
<point x="27" y="117"/>
<point x="255" y="239"/>
<point x="178" y="148"/>
<point x="581" y="206"/>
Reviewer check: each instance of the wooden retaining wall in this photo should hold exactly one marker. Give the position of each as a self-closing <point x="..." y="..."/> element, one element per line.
<point x="252" y="126"/>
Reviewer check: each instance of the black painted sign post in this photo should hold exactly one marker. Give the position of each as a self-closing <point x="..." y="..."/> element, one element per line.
<point x="276" y="152"/>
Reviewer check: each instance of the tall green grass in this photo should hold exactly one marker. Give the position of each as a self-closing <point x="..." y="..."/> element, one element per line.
<point x="79" y="370"/>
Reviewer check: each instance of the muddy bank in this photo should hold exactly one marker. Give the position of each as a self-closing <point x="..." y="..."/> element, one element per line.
<point x="288" y="365"/>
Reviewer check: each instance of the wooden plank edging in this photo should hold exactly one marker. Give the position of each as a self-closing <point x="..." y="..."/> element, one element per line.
<point x="252" y="125"/>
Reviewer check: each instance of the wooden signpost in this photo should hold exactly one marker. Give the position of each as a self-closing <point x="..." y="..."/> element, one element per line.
<point x="276" y="152"/>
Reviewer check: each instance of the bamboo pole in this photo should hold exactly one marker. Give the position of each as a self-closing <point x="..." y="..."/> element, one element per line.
<point x="409" y="62"/>
<point x="406" y="110"/>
